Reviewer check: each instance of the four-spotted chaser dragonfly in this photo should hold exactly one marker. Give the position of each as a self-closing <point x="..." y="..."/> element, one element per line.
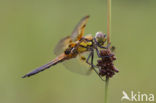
<point x="73" y="46"/>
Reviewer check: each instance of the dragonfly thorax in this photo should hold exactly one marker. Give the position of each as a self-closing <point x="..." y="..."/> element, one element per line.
<point x="67" y="51"/>
<point x="71" y="49"/>
<point x="88" y="37"/>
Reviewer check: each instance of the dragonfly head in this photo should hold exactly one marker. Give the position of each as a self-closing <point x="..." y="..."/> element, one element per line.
<point x="100" y="38"/>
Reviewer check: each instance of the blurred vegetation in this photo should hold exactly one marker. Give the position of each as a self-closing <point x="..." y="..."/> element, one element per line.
<point x="30" y="29"/>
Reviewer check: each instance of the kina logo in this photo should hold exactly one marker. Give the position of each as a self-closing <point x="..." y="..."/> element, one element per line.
<point x="138" y="96"/>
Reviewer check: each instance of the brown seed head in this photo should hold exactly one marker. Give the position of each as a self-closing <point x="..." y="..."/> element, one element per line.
<point x="105" y="64"/>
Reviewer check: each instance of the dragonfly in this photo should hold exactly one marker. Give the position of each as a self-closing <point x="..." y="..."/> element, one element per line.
<point x="75" y="45"/>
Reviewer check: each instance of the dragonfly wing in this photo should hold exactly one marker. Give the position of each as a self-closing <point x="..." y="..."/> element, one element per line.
<point x="61" y="45"/>
<point x="77" y="65"/>
<point x="78" y="32"/>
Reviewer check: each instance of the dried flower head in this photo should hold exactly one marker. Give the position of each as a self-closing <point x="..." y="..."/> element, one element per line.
<point x="105" y="64"/>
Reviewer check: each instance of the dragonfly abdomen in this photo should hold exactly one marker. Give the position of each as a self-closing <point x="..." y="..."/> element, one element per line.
<point x="59" y="59"/>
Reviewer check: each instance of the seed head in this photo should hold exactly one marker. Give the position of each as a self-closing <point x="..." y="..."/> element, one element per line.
<point x="105" y="63"/>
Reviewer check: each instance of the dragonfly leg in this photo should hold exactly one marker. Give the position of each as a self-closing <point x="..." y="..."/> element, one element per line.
<point x="108" y="45"/>
<point x="87" y="61"/>
<point x="101" y="45"/>
<point x="92" y="65"/>
<point x="97" y="51"/>
<point x="91" y="55"/>
<point x="98" y="74"/>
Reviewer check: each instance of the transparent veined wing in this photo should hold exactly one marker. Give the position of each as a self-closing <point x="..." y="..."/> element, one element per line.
<point x="77" y="65"/>
<point x="62" y="45"/>
<point x="78" y="31"/>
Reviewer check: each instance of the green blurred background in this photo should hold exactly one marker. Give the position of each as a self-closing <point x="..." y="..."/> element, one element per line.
<point x="30" y="29"/>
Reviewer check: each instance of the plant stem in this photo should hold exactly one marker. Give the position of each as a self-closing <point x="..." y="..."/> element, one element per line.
<point x="106" y="89"/>
<point x="108" y="20"/>
<point x="108" y="41"/>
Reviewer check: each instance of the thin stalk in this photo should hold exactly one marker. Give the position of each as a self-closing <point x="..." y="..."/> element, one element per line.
<point x="108" y="41"/>
<point x="106" y="89"/>
<point x="108" y="20"/>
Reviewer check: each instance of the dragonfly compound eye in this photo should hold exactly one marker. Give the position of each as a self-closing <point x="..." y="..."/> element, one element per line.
<point x="100" y="37"/>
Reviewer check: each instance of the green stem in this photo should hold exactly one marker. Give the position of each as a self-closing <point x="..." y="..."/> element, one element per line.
<point x="108" y="41"/>
<point x="106" y="89"/>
